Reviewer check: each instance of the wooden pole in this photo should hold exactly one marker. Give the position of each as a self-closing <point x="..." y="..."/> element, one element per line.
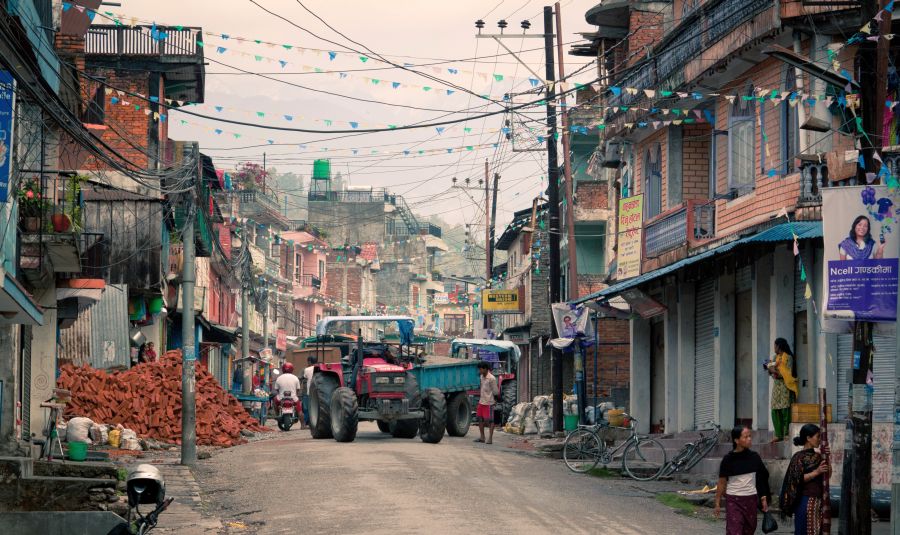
<point x="826" y="493"/>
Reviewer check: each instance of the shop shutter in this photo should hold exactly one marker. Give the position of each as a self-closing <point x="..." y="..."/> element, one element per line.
<point x="885" y="355"/>
<point x="799" y="289"/>
<point x="705" y="379"/>
<point x="743" y="279"/>
<point x="26" y="382"/>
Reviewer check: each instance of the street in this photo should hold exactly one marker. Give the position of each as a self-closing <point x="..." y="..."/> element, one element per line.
<point x="379" y="484"/>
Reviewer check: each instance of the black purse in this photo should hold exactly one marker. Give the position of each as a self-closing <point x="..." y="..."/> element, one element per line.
<point x="768" y="523"/>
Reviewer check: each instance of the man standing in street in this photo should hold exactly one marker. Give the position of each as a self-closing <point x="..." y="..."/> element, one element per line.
<point x="307" y="378"/>
<point x="486" y="399"/>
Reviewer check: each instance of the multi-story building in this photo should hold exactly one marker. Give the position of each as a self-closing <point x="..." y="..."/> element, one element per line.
<point x="307" y="263"/>
<point x="729" y="149"/>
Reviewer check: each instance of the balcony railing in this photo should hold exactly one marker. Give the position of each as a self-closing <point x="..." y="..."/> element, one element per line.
<point x="665" y="233"/>
<point x="261" y="207"/>
<point x="141" y="41"/>
<point x="704" y="220"/>
<point x="308" y="281"/>
<point x="377" y="195"/>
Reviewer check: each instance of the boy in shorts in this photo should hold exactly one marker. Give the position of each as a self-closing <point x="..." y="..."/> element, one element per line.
<point x="486" y="400"/>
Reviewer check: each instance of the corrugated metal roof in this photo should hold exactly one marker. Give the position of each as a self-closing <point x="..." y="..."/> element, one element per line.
<point x="110" y="345"/>
<point x="785" y="232"/>
<point x="75" y="342"/>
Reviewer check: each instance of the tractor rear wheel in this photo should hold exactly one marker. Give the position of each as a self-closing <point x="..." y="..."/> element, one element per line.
<point x="320" y="391"/>
<point x="404" y="428"/>
<point x="434" y="423"/>
<point x="508" y="398"/>
<point x="383" y="426"/>
<point x="344" y="415"/>
<point x="459" y="415"/>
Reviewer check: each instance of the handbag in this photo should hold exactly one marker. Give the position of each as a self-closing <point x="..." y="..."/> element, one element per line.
<point x="768" y="523"/>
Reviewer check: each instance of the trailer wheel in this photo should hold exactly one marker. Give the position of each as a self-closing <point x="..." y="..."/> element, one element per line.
<point x="433" y="424"/>
<point x="320" y="391"/>
<point x="344" y="415"/>
<point x="459" y="415"/>
<point x="508" y="398"/>
<point x="383" y="426"/>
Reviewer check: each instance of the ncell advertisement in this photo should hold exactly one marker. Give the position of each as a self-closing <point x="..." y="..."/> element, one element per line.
<point x="861" y="249"/>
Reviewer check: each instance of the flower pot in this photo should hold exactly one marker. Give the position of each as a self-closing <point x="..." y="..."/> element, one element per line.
<point x="61" y="222"/>
<point x="31" y="224"/>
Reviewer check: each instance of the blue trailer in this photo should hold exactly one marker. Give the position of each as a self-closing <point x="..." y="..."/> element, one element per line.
<point x="455" y="378"/>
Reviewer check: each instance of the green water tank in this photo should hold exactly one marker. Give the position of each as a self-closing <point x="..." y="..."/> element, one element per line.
<point x="321" y="170"/>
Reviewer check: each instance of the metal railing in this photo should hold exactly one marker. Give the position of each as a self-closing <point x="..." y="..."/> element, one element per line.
<point x="376" y="195"/>
<point x="666" y="233"/>
<point x="705" y="221"/>
<point x="308" y="281"/>
<point x="141" y="41"/>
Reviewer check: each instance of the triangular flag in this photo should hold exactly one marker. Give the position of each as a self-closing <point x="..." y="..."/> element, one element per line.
<point x="808" y="293"/>
<point x="802" y="272"/>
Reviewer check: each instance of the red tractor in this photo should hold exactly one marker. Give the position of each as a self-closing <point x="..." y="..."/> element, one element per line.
<point x="373" y="382"/>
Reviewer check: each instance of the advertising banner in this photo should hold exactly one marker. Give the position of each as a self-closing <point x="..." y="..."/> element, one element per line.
<point x="442" y="298"/>
<point x="6" y="132"/>
<point x="503" y="301"/>
<point x="571" y="322"/>
<point x="281" y="340"/>
<point x="861" y="250"/>
<point x="630" y="237"/>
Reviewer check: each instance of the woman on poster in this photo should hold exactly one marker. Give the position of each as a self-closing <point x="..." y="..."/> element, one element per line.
<point x="859" y="244"/>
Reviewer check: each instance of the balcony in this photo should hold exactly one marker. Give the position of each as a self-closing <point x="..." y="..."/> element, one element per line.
<point x="308" y="281"/>
<point x="372" y="195"/>
<point x="262" y="208"/>
<point x="690" y="223"/>
<point x="178" y="48"/>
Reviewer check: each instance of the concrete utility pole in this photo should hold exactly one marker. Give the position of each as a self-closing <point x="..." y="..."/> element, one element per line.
<point x="856" y="485"/>
<point x="188" y="322"/>
<point x="553" y="208"/>
<point x="493" y="217"/>
<point x="245" y="312"/>
<point x="572" y="274"/>
<point x="488" y="253"/>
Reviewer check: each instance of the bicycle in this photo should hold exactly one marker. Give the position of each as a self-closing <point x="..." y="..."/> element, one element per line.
<point x="692" y="453"/>
<point x="643" y="457"/>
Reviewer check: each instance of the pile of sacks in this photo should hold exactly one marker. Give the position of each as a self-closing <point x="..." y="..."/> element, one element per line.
<point x="536" y="417"/>
<point x="81" y="429"/>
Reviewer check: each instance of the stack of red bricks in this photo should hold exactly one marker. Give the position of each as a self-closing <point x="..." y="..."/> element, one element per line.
<point x="147" y="399"/>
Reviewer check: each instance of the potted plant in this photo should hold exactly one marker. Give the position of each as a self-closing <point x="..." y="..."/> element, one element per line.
<point x="32" y="206"/>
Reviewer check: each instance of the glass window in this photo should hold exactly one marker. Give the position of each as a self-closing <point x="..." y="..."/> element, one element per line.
<point x="790" y="123"/>
<point x="653" y="181"/>
<point x="742" y="144"/>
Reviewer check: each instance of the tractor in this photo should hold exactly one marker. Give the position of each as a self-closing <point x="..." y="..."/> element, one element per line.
<point x="504" y="358"/>
<point x="372" y="382"/>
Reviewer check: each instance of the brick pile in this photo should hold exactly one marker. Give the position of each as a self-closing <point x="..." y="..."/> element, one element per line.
<point x="147" y="399"/>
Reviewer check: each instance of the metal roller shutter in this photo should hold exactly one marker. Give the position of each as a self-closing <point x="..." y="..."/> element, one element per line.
<point x="885" y="354"/>
<point x="743" y="279"/>
<point x="705" y="379"/>
<point x="26" y="382"/>
<point x="799" y="290"/>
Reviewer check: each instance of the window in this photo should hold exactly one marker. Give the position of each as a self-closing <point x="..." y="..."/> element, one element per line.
<point x="95" y="112"/>
<point x="321" y="270"/>
<point x="653" y="181"/>
<point x="455" y="324"/>
<point x="790" y="122"/>
<point x="713" y="159"/>
<point x="298" y="266"/>
<point x="742" y="143"/>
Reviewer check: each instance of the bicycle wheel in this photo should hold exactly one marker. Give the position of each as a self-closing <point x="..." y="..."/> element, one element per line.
<point x="644" y="460"/>
<point x="679" y="462"/>
<point x="582" y="450"/>
<point x="703" y="448"/>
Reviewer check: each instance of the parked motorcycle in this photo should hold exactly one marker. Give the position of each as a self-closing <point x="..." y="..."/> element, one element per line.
<point x="145" y="485"/>
<point x="288" y="412"/>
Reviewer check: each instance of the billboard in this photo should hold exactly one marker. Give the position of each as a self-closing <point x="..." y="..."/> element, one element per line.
<point x="861" y="250"/>
<point x="630" y="238"/>
<point x="7" y="84"/>
<point x="442" y="298"/>
<point x="503" y="301"/>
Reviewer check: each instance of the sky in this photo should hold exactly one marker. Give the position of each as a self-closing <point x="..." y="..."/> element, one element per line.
<point x="418" y="33"/>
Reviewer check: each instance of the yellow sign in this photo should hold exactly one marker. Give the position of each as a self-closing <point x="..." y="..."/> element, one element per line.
<point x="630" y="229"/>
<point x="503" y="301"/>
<point x="631" y="213"/>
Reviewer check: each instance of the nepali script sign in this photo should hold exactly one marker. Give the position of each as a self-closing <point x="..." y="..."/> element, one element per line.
<point x="861" y="250"/>
<point x="7" y="84"/>
<point x="631" y="233"/>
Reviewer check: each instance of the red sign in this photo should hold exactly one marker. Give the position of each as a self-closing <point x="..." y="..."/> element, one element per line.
<point x="281" y="340"/>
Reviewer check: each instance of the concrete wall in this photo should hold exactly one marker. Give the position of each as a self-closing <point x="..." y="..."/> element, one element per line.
<point x="43" y="360"/>
<point x="9" y="377"/>
<point x="348" y="223"/>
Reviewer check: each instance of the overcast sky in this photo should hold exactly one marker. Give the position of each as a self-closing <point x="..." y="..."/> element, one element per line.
<point x="404" y="31"/>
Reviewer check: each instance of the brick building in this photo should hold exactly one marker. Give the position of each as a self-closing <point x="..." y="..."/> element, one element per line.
<point x="721" y="140"/>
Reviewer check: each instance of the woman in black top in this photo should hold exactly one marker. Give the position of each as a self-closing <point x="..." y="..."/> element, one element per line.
<point x="744" y="481"/>
<point x="801" y="492"/>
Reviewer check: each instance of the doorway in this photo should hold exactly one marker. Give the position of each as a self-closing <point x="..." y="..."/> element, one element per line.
<point x="657" y="376"/>
<point x="743" y="351"/>
<point x="803" y="358"/>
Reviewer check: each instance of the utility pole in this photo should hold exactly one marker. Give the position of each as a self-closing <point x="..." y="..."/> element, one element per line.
<point x="856" y="486"/>
<point x="188" y="322"/>
<point x="572" y="274"/>
<point x="494" y="216"/>
<point x="246" y="384"/>
<point x="553" y="195"/>
<point x="488" y="253"/>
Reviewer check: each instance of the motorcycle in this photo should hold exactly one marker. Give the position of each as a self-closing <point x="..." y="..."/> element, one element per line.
<point x="145" y="485"/>
<point x="287" y="411"/>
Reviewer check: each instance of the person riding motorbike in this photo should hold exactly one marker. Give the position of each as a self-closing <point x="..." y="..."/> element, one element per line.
<point x="287" y="383"/>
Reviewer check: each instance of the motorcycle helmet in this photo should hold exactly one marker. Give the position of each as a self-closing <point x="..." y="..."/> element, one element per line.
<point x="145" y="485"/>
<point x="287" y="368"/>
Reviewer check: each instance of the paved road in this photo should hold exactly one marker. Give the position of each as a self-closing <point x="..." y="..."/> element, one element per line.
<point x="379" y="484"/>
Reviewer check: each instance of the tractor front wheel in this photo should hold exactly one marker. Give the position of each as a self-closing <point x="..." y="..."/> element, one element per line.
<point x="320" y="391"/>
<point x="434" y="423"/>
<point x="459" y="415"/>
<point x="344" y="415"/>
<point x="383" y="426"/>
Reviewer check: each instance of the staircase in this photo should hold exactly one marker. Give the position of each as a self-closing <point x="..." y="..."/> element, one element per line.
<point x="412" y="225"/>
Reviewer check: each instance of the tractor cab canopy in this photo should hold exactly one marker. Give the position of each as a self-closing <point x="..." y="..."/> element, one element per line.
<point x="494" y="351"/>
<point x="334" y="324"/>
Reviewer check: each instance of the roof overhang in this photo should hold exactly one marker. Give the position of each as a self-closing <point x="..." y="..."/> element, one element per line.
<point x="16" y="306"/>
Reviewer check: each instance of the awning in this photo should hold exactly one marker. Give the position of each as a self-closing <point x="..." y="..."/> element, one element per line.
<point x="16" y="306"/>
<point x="216" y="333"/>
<point x="804" y="230"/>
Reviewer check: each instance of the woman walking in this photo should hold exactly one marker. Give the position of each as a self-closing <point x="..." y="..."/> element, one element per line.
<point x="783" y="369"/>
<point x="744" y="481"/>
<point x="801" y="492"/>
